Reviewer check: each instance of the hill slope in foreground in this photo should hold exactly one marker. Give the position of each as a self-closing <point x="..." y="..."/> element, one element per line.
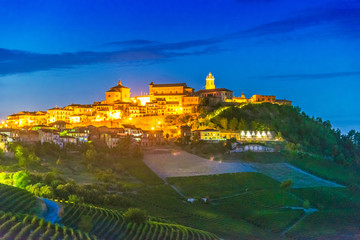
<point x="19" y="219"/>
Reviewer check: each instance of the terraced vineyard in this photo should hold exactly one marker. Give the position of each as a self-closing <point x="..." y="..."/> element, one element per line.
<point x="19" y="227"/>
<point x="110" y="224"/>
<point x="16" y="200"/>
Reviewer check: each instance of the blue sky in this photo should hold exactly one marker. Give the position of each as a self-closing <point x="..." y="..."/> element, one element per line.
<point x="54" y="53"/>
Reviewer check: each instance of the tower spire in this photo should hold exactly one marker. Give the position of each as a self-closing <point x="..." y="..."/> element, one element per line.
<point x="210" y="82"/>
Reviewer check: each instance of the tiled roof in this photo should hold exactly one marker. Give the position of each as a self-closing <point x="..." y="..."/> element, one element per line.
<point x="214" y="90"/>
<point x="169" y="85"/>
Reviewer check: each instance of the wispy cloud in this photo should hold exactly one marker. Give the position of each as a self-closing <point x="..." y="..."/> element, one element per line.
<point x="309" y="76"/>
<point x="338" y="21"/>
<point x="15" y="61"/>
<point x="134" y="42"/>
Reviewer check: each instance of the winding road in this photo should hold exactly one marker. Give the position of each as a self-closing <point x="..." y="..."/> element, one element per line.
<point x="51" y="211"/>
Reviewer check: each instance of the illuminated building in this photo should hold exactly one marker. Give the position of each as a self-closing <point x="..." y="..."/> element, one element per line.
<point x="241" y="99"/>
<point x="80" y="109"/>
<point x="58" y="114"/>
<point x="212" y="94"/>
<point x="262" y="98"/>
<point x="210" y="82"/>
<point x="248" y="135"/>
<point x="174" y="98"/>
<point x="26" y="118"/>
<point x="208" y="135"/>
<point x="283" y="102"/>
<point x="77" y="118"/>
<point x="118" y="93"/>
<point x="3" y="142"/>
<point x="142" y="100"/>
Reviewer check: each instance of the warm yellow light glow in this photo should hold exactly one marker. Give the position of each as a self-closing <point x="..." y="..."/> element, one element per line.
<point x="159" y="122"/>
<point x="152" y="128"/>
<point x="130" y="118"/>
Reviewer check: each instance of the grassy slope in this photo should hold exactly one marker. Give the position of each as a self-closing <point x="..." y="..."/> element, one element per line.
<point x="339" y="208"/>
<point x="260" y="205"/>
<point x="163" y="201"/>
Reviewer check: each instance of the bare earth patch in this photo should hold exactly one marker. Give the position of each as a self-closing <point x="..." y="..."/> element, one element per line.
<point x="178" y="163"/>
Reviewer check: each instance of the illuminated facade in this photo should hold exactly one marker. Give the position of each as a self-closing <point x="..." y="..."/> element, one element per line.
<point x="241" y="99"/>
<point x="262" y="98"/>
<point x="210" y="82"/>
<point x="58" y="114"/>
<point x="3" y="142"/>
<point x="212" y="94"/>
<point x="25" y="118"/>
<point x="118" y="93"/>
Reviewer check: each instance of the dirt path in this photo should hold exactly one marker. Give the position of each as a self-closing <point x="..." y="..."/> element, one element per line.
<point x="51" y="211"/>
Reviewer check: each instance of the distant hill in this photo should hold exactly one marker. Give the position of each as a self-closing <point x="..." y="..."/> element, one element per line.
<point x="302" y="133"/>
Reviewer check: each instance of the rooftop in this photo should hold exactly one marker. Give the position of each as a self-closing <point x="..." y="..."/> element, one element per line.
<point x="214" y="90"/>
<point x="169" y="85"/>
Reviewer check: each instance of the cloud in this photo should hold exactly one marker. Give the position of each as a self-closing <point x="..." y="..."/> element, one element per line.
<point x="345" y="20"/>
<point x="308" y="76"/>
<point x="15" y="61"/>
<point x="135" y="42"/>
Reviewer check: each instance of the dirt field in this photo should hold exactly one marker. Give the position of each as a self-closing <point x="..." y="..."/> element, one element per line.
<point x="167" y="162"/>
<point x="177" y="163"/>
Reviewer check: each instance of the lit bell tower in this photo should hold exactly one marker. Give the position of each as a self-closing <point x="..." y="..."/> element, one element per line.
<point x="210" y="82"/>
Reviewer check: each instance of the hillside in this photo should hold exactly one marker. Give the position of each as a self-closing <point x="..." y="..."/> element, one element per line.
<point x="301" y="132"/>
<point x="19" y="211"/>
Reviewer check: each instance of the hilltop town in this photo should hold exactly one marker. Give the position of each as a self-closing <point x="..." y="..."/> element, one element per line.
<point x="143" y="117"/>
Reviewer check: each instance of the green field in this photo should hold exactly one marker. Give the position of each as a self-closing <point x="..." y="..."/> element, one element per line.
<point x="222" y="185"/>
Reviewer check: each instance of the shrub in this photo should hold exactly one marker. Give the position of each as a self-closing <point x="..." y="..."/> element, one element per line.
<point x="21" y="179"/>
<point x="286" y="184"/>
<point x="136" y="215"/>
<point x="306" y="204"/>
<point x="74" y="198"/>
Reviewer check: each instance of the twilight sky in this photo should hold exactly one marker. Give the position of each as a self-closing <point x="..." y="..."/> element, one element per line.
<point x="54" y="53"/>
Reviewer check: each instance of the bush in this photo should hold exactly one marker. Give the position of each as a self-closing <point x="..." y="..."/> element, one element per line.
<point x="75" y="199"/>
<point x="21" y="179"/>
<point x="136" y="215"/>
<point x="286" y="184"/>
<point x="306" y="204"/>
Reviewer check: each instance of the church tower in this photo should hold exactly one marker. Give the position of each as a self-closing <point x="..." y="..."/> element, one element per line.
<point x="210" y="82"/>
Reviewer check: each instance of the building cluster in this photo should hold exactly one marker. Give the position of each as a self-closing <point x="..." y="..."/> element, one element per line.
<point x="62" y="136"/>
<point x="163" y="99"/>
<point x="214" y="135"/>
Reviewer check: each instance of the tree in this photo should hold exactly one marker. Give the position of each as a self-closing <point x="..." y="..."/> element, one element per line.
<point x="21" y="179"/>
<point x="136" y="215"/>
<point x="243" y="125"/>
<point x="58" y="161"/>
<point x="74" y="198"/>
<point x="90" y="155"/>
<point x="233" y="124"/>
<point x="224" y="123"/>
<point x="287" y="184"/>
